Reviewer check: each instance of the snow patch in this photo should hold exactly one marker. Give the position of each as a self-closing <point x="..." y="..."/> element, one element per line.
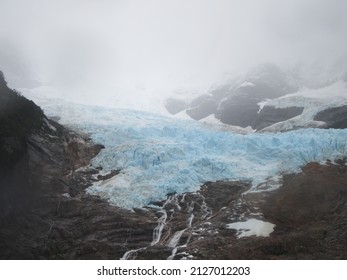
<point x="252" y="227"/>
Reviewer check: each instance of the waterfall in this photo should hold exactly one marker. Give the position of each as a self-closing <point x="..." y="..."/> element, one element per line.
<point x="157" y="232"/>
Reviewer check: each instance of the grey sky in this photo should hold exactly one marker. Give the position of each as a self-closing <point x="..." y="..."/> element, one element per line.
<point x="162" y="44"/>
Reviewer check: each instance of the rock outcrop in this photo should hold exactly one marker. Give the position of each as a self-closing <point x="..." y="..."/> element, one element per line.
<point x="270" y="115"/>
<point x="175" y="106"/>
<point x="202" y="107"/>
<point x="333" y="117"/>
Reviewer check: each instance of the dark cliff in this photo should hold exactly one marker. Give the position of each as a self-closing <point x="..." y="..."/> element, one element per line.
<point x="19" y="120"/>
<point x="36" y="157"/>
<point x="44" y="210"/>
<point x="19" y="117"/>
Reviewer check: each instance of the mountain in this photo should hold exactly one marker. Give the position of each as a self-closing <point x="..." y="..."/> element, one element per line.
<point x="268" y="98"/>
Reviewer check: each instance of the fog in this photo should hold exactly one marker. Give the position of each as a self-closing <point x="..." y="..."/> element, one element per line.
<point x="114" y="51"/>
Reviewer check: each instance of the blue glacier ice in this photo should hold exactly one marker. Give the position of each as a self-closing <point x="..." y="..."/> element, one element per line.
<point x="158" y="155"/>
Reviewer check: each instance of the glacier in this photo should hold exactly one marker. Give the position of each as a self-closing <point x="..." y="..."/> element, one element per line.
<point x="158" y="155"/>
<point x="176" y="157"/>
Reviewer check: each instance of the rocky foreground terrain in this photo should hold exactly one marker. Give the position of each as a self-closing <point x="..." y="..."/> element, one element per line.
<point x="46" y="214"/>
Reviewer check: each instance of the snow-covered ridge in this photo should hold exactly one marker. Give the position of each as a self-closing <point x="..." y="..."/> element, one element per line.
<point x="160" y="155"/>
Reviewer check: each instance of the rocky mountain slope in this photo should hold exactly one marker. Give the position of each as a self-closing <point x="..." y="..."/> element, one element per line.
<point x="268" y="98"/>
<point x="304" y="219"/>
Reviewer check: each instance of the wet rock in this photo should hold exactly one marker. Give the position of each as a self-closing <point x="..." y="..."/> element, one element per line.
<point x="239" y="110"/>
<point x="333" y="117"/>
<point x="202" y="107"/>
<point x="108" y="176"/>
<point x="270" y="115"/>
<point x="175" y="106"/>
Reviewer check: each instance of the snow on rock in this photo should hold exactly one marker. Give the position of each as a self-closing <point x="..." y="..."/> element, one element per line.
<point x="252" y="227"/>
<point x="313" y="101"/>
<point x="213" y="122"/>
<point x="158" y="155"/>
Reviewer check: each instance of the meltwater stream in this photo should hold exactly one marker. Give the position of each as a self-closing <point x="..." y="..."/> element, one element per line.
<point x="173" y="212"/>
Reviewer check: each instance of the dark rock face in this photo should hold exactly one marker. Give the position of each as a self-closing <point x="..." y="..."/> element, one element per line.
<point x="270" y="115"/>
<point x="202" y="107"/>
<point x="44" y="210"/>
<point x="333" y="117"/>
<point x="224" y="90"/>
<point x="240" y="107"/>
<point x="46" y="214"/>
<point x="236" y="101"/>
<point x="310" y="213"/>
<point x="175" y="106"/>
<point x="240" y="110"/>
<point x="18" y="118"/>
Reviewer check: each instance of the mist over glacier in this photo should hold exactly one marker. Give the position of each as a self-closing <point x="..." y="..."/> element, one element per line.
<point x="134" y="54"/>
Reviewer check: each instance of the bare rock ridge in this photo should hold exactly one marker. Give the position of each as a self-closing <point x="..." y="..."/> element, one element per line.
<point x="270" y="115"/>
<point x="333" y="117"/>
<point x="45" y="212"/>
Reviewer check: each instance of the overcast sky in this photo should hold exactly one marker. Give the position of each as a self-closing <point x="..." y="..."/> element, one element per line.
<point x="163" y="44"/>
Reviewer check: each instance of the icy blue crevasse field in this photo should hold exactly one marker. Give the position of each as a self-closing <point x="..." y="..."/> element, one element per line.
<point x="160" y="155"/>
